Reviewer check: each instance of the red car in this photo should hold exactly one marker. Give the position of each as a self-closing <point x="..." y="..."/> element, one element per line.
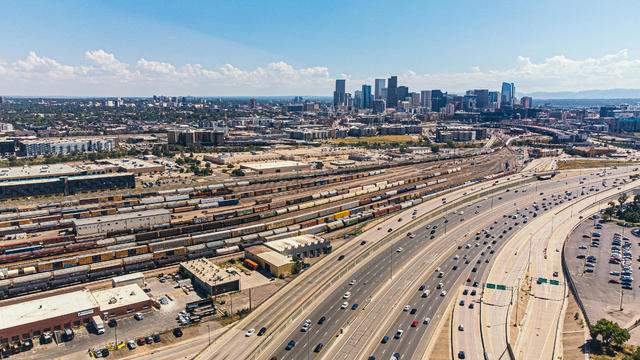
<point x="414" y="323"/>
<point x="141" y="341"/>
<point x="468" y="279"/>
<point x="614" y="281"/>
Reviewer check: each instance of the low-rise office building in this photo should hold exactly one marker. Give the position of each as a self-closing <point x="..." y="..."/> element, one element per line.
<point x="272" y="261"/>
<point x="301" y="246"/>
<point x="209" y="278"/>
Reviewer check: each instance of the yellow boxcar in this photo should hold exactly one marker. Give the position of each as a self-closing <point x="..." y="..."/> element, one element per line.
<point x="341" y="214"/>
<point x="45" y="266"/>
<point x="106" y="255"/>
<point x="159" y="254"/>
<point x="69" y="262"/>
<point x="122" y="253"/>
<point x="85" y="259"/>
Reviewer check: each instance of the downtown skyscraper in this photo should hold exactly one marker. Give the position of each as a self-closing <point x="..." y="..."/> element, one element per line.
<point x="339" y="98"/>
<point x="366" y="97"/>
<point x="392" y="92"/>
<point x="379" y="86"/>
<point x="508" y="94"/>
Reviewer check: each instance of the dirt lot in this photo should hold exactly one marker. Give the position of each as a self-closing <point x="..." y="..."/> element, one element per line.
<point x="584" y="164"/>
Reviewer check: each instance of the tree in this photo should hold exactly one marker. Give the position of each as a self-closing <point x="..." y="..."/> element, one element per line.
<point x="634" y="356"/>
<point x="610" y="332"/>
<point x="435" y="148"/>
<point x="319" y="165"/>
<point x="237" y="172"/>
<point x="623" y="198"/>
<point x="451" y="144"/>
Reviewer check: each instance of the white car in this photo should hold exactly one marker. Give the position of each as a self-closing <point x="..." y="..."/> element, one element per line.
<point x="412" y="236"/>
<point x="346" y="295"/>
<point x="443" y="293"/>
<point x="426" y="321"/>
<point x="250" y="332"/>
<point x="344" y="305"/>
<point x="406" y="308"/>
<point x="352" y="282"/>
<point x="138" y="316"/>
<point x="399" y="249"/>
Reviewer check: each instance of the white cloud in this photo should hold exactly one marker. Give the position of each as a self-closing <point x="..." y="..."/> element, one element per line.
<point x="102" y="74"/>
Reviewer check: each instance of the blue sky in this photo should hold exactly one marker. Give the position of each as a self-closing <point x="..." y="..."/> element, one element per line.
<point x="132" y="48"/>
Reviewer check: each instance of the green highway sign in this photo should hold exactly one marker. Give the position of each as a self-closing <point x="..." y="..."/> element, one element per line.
<point x="491" y="286"/>
<point x="542" y="280"/>
<point x="502" y="287"/>
<point x="554" y="282"/>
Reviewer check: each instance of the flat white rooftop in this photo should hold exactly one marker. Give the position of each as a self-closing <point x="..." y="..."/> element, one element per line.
<point x="120" y="296"/>
<point x="22" y="172"/>
<point x="48" y="307"/>
<point x="273" y="164"/>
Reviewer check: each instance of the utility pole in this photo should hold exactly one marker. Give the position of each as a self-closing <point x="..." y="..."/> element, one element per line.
<point x="209" y="331"/>
<point x="517" y="301"/>
<point x="621" y="293"/>
<point x="249" y="299"/>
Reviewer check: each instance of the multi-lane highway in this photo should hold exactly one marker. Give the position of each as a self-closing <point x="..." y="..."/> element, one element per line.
<point x="283" y="305"/>
<point x="369" y="277"/>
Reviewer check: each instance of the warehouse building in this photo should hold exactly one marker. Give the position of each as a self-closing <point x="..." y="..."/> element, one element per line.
<point x="119" y="222"/>
<point x="301" y="246"/>
<point x="210" y="279"/>
<point x="134" y="166"/>
<point x="30" y="319"/>
<point x="275" y="167"/>
<point x="274" y="262"/>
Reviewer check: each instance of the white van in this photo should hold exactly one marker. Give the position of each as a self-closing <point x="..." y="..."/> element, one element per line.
<point x="346" y="295"/>
<point x="425" y="293"/>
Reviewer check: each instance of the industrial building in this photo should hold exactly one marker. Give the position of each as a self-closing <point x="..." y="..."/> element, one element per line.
<point x="134" y="166"/>
<point x="301" y="246"/>
<point x="65" y="185"/>
<point x="210" y="279"/>
<point x="275" y="167"/>
<point x="29" y="319"/>
<point x="119" y="222"/>
<point x="274" y="262"/>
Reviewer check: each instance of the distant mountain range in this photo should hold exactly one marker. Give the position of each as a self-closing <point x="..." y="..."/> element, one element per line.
<point x="586" y="94"/>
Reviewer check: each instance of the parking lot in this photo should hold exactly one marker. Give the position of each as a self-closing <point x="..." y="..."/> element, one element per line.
<point x="161" y="321"/>
<point x="600" y="296"/>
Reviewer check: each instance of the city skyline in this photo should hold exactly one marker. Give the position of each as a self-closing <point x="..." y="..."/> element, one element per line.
<point x="221" y="49"/>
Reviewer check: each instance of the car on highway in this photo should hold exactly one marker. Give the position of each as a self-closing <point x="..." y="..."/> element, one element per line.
<point x="455" y="267"/>
<point x="460" y="327"/>
<point x="443" y="293"/>
<point x="384" y="339"/>
<point x="399" y="249"/>
<point x="344" y="305"/>
<point x="363" y="242"/>
<point x="413" y="311"/>
<point x="352" y="282"/>
<point x="398" y="334"/>
<point x="421" y="288"/>
<point x="461" y="354"/>
<point x="321" y="320"/>
<point x="262" y="331"/>
<point x="340" y="257"/>
<point x="439" y="286"/>
<point x="406" y="308"/>
<point x="426" y="321"/>
<point x="474" y="269"/>
<point x="346" y="295"/>
<point x="475" y="284"/>
<point x="354" y="306"/>
<point x="250" y="332"/>
<point x="290" y="345"/>
<point x="318" y="347"/>
<point x="414" y="323"/>
<point x="390" y="230"/>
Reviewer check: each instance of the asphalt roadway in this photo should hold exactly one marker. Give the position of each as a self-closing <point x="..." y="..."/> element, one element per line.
<point x="378" y="269"/>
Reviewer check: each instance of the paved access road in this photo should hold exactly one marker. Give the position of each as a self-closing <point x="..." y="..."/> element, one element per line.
<point x="538" y="332"/>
